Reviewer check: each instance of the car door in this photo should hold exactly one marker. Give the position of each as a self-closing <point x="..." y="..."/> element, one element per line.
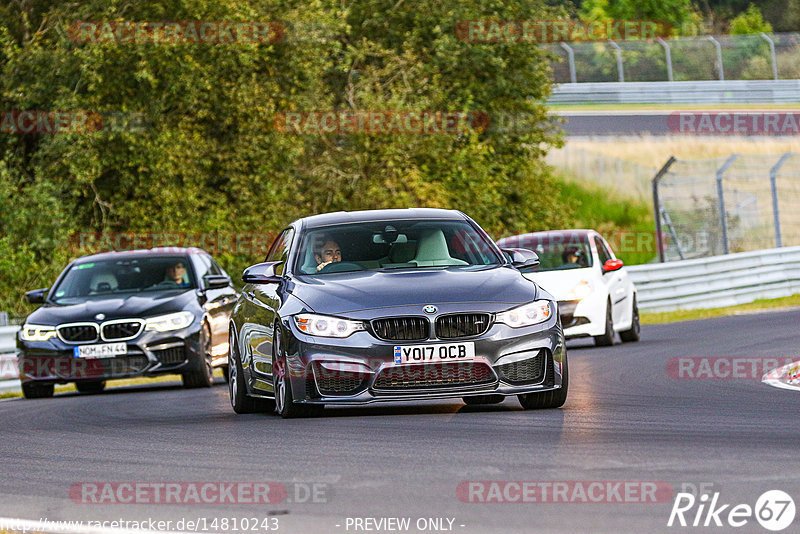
<point x="261" y="303"/>
<point x="615" y="281"/>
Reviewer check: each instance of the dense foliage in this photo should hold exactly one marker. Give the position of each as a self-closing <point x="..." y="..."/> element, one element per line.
<point x="206" y="157"/>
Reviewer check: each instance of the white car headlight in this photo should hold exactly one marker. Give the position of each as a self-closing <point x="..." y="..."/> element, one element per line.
<point x="581" y="290"/>
<point x="172" y="321"/>
<point x="325" y="326"/>
<point x="526" y="315"/>
<point x="33" y="332"/>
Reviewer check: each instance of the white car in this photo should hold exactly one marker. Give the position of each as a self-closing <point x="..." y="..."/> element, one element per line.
<point x="596" y="298"/>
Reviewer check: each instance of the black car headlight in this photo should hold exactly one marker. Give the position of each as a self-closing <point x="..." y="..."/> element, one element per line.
<point x="326" y="326"/>
<point x="529" y="314"/>
<point x="34" y="332"/>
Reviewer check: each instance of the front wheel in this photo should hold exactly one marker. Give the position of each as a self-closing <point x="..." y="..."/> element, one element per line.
<point x="284" y="399"/>
<point x="201" y="373"/>
<point x="607" y="338"/>
<point x="548" y="399"/>
<point x="635" y="330"/>
<point x="237" y="389"/>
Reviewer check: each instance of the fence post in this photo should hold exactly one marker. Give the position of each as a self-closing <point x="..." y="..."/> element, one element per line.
<point x="668" y="55"/>
<point x="772" y="54"/>
<point x="618" y="53"/>
<point x="571" y="59"/>
<point x="657" y="207"/>
<point x="773" y="177"/>
<point x="719" y="57"/>
<point x="721" y="198"/>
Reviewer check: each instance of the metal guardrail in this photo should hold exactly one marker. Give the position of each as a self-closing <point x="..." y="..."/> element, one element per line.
<point x="8" y="349"/>
<point x="717" y="281"/>
<point x="696" y="92"/>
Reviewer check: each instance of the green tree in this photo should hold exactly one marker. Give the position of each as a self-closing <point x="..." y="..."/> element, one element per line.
<point x="750" y="21"/>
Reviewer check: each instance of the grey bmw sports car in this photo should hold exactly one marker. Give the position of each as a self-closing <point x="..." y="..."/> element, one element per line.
<point x="358" y="307"/>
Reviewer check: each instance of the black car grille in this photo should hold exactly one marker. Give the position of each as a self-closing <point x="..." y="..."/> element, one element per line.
<point x="529" y="370"/>
<point x="337" y="382"/>
<point x="171" y="356"/>
<point x="462" y="325"/>
<point x="126" y="330"/>
<point x="78" y="333"/>
<point x="401" y="328"/>
<point x="409" y="377"/>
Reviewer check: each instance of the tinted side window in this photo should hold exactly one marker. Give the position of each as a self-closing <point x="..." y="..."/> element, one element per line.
<point x="203" y="265"/>
<point x="280" y="249"/>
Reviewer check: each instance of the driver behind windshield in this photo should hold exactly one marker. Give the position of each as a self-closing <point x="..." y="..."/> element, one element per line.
<point x="175" y="273"/>
<point x="327" y="251"/>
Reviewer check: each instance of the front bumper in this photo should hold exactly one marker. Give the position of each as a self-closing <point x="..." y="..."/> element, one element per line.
<point x="361" y="368"/>
<point x="150" y="354"/>
<point x="584" y="317"/>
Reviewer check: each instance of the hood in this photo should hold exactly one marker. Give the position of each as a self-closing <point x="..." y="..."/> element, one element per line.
<point x="560" y="283"/>
<point x="134" y="305"/>
<point x="348" y="292"/>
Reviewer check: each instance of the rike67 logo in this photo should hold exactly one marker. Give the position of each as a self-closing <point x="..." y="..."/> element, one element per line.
<point x="774" y="510"/>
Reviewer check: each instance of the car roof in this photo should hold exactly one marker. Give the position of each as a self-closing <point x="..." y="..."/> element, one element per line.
<point x="341" y="217"/>
<point x="159" y="252"/>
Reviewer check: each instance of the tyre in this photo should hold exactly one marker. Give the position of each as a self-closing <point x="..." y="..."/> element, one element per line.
<point x="32" y="390"/>
<point x="226" y="373"/>
<point x="547" y="399"/>
<point x="92" y="386"/>
<point x="633" y="333"/>
<point x="240" y="401"/>
<point x="201" y="372"/>
<point x="284" y="399"/>
<point x="483" y="399"/>
<point x="607" y="339"/>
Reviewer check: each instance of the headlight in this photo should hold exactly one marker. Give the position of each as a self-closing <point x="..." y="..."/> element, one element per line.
<point x="582" y="290"/>
<point x="324" y="326"/>
<point x="33" y="332"/>
<point x="526" y="315"/>
<point x="173" y="321"/>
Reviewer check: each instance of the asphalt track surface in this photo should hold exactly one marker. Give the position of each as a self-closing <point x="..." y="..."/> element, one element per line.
<point x="625" y="419"/>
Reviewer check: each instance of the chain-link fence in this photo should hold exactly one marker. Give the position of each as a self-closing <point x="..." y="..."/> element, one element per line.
<point x="730" y="204"/>
<point x="727" y="57"/>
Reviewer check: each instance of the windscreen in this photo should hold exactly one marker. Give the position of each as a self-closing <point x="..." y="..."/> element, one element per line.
<point x="122" y="276"/>
<point x="395" y="244"/>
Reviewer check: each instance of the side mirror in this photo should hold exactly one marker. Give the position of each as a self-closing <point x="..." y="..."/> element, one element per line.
<point x="216" y="281"/>
<point x="37" y="296"/>
<point x="262" y="273"/>
<point x="612" y="265"/>
<point x="521" y="257"/>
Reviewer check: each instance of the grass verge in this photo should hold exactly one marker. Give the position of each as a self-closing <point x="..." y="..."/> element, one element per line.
<point x="693" y="315"/>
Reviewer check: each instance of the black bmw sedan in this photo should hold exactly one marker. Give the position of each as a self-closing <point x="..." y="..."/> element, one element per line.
<point x="358" y="307"/>
<point x="127" y="314"/>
